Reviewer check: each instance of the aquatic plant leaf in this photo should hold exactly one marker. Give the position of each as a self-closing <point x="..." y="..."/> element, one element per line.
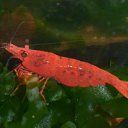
<point x="117" y="107"/>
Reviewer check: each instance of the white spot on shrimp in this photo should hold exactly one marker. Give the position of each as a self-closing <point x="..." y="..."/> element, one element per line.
<point x="80" y="68"/>
<point x="70" y="66"/>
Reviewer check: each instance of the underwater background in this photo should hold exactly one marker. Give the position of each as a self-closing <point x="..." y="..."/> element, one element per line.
<point x="95" y="31"/>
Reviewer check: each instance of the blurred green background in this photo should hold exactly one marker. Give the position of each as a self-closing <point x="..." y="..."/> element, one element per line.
<point x="89" y="30"/>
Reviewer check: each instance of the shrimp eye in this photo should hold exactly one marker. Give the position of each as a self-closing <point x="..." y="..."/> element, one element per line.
<point x="24" y="54"/>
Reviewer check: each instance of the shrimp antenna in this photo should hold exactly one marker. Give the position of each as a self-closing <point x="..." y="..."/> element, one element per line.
<point x="64" y="42"/>
<point x="17" y="28"/>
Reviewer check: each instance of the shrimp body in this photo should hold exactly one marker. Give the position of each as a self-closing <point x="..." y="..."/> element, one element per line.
<point x="68" y="71"/>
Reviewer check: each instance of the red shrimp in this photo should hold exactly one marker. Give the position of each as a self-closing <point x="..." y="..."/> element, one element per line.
<point x="68" y="71"/>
